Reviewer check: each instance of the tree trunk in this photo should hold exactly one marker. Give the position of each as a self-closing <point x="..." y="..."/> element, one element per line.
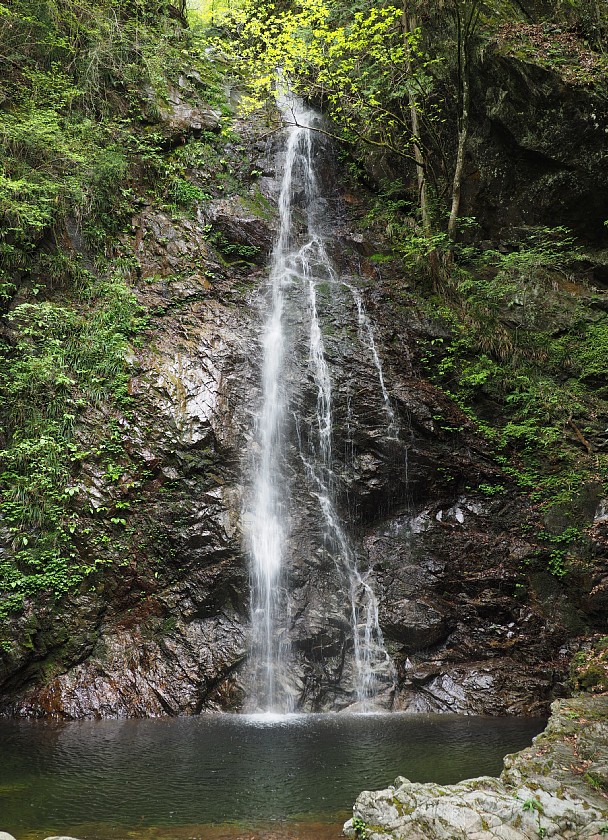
<point x="465" y="28"/>
<point x="409" y="24"/>
<point x="177" y="10"/>
<point x="463" y="132"/>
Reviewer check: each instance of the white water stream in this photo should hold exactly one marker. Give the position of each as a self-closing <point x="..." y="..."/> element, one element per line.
<point x="300" y="266"/>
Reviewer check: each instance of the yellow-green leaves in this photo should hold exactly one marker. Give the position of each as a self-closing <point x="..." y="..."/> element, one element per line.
<point x="310" y="43"/>
<point x="361" y="64"/>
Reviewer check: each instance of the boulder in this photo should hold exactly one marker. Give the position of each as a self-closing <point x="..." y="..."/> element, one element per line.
<point x="548" y="790"/>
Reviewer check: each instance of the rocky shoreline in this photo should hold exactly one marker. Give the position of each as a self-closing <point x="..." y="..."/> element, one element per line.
<point x="557" y="788"/>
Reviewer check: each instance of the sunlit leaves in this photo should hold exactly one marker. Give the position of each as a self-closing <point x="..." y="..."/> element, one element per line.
<point x="361" y="65"/>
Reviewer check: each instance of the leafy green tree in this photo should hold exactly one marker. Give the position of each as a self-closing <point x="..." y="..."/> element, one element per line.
<point x="368" y="67"/>
<point x="364" y="65"/>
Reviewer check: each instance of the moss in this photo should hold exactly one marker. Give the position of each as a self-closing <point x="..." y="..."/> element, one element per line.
<point x="594" y="677"/>
<point x="596" y="780"/>
<point x="402" y="808"/>
<point x="589" y="667"/>
<point x="168" y="626"/>
<point x="258" y="204"/>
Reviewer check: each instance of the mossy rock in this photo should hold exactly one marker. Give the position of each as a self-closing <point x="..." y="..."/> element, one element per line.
<point x="589" y="669"/>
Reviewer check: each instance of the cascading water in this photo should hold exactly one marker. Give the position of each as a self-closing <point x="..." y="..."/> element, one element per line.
<point x="300" y="267"/>
<point x="365" y="329"/>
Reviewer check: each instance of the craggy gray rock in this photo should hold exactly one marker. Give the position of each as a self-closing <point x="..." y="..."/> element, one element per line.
<point x="5" y="836"/>
<point x="556" y="788"/>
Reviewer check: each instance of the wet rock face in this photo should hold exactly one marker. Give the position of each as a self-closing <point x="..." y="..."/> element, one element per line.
<point x="241" y="230"/>
<point x="131" y="675"/>
<point x="163" y="628"/>
<point x="541" y="793"/>
<point x="448" y="606"/>
<point x="166" y="629"/>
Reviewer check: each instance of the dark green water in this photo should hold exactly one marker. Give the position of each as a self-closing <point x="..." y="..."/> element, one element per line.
<point x="224" y="776"/>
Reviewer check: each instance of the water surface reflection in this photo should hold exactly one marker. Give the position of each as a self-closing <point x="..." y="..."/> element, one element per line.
<point x="227" y="776"/>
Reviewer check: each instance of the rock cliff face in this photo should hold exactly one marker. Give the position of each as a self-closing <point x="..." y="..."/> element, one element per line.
<point x="537" y="150"/>
<point x="162" y="627"/>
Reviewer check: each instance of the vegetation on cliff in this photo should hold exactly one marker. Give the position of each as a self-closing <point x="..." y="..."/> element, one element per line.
<point x="84" y="146"/>
<point x="522" y="336"/>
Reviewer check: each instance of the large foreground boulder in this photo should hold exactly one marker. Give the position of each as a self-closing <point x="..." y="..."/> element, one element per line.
<point x="555" y="788"/>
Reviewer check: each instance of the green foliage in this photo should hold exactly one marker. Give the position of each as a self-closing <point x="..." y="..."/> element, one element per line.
<point x="387" y="83"/>
<point x="231" y="251"/>
<point x="563" y="548"/>
<point x="360" y="62"/>
<point x="593" y="352"/>
<point x="589" y="668"/>
<point x="183" y="193"/>
<point x="360" y="827"/>
<point x="491" y="489"/>
<point x="66" y="359"/>
<point x="535" y="807"/>
<point x="80" y="76"/>
<point x="83" y="84"/>
<point x="518" y="352"/>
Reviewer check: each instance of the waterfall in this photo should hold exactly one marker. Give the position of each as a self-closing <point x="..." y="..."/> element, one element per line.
<point x="300" y="267"/>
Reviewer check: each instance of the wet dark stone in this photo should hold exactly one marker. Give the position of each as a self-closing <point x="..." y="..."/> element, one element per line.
<point x="164" y="629"/>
